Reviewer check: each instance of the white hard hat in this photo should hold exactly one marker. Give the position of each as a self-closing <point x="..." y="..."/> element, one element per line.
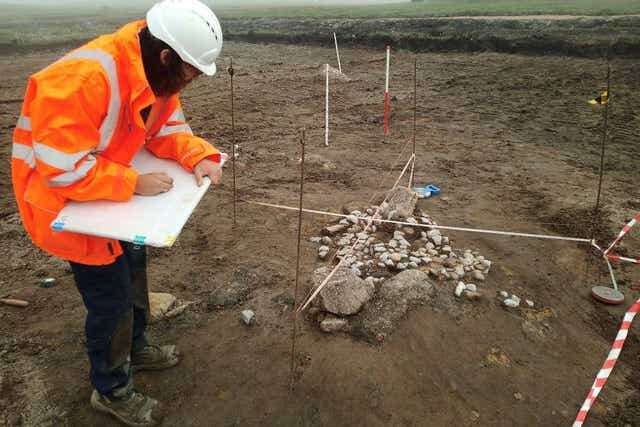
<point x="191" y="29"/>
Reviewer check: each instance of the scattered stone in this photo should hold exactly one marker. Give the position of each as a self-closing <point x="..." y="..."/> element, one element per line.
<point x="332" y="324"/>
<point x="326" y="240"/>
<point x="47" y="282"/>
<point x="334" y="229"/>
<point x="504" y="294"/>
<point x="477" y="275"/>
<point x="396" y="257"/>
<point x="511" y="303"/>
<point x="408" y="231"/>
<point x="159" y="304"/>
<point x="529" y="303"/>
<point x="248" y="317"/>
<point x="518" y="396"/>
<point x="315" y="239"/>
<point x="472" y="295"/>
<point x="352" y="219"/>
<point x="471" y="287"/>
<point x="446" y="249"/>
<point x="459" y="289"/>
<point x="345" y="294"/>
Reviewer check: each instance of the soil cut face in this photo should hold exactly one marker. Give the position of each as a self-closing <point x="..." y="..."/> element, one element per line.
<point x="513" y="145"/>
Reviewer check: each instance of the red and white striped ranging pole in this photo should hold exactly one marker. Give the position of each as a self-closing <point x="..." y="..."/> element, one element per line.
<point x="605" y="371"/>
<point x="386" y="95"/>
<point x="623" y="233"/>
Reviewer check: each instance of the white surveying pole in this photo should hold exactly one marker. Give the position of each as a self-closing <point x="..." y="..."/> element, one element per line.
<point x="335" y="39"/>
<point x="326" y="108"/>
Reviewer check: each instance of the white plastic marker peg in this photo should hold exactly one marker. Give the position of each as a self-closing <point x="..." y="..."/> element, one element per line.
<point x="326" y="108"/>
<point x="386" y="94"/>
<point x="335" y="39"/>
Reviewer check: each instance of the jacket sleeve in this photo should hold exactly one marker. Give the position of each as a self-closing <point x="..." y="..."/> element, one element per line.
<point x="67" y="112"/>
<point x="176" y="141"/>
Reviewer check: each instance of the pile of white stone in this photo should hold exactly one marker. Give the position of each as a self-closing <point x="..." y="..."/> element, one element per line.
<point x="384" y="249"/>
<point x="513" y="301"/>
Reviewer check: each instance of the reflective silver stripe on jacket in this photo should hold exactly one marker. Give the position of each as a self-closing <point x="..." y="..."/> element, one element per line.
<point x="24" y="153"/>
<point x="177" y="116"/>
<point x="24" y="123"/>
<point x="75" y="175"/>
<point x="56" y="158"/>
<point x="110" y="122"/>
<point x="168" y="130"/>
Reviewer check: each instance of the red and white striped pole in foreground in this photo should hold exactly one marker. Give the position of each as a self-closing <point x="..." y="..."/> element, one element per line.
<point x="386" y="96"/>
<point x="606" y="369"/>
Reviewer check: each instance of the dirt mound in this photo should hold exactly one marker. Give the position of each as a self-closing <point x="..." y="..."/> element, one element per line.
<point x="334" y="74"/>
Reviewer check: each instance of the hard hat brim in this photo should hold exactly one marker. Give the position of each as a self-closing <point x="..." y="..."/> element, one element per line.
<point x="208" y="70"/>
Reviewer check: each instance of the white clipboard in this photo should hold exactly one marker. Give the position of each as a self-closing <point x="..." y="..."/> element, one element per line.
<point x="143" y="220"/>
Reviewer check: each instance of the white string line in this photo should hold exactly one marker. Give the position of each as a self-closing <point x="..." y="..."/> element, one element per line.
<point x="369" y="222"/>
<point x="440" y="227"/>
<point x="411" y="175"/>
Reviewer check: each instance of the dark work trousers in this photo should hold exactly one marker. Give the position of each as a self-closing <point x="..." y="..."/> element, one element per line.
<point x="117" y="303"/>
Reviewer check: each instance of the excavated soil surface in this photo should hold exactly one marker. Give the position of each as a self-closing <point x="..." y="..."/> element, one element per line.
<point x="512" y="143"/>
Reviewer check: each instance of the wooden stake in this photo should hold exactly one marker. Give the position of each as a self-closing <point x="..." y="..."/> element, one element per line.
<point x="14" y="302"/>
<point x="295" y="294"/>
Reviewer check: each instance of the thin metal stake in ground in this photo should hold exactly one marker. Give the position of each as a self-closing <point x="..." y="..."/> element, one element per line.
<point x="233" y="146"/>
<point x="415" y="103"/>
<point x="295" y="292"/>
<point x="335" y="39"/>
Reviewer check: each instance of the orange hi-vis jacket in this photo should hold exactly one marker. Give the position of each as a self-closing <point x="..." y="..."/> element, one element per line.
<point x="80" y="127"/>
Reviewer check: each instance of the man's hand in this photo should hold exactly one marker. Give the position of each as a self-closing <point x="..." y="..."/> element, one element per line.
<point x="208" y="168"/>
<point x="151" y="184"/>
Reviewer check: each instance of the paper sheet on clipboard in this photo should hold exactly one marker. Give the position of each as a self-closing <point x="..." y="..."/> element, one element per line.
<point x="153" y="221"/>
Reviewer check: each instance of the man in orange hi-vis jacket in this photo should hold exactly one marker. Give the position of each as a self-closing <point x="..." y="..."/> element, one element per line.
<point x="83" y="120"/>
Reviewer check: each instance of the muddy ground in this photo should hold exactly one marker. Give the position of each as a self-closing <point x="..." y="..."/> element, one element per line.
<point x="514" y="146"/>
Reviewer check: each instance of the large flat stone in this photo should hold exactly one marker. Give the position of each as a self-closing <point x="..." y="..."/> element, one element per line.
<point x="345" y="294"/>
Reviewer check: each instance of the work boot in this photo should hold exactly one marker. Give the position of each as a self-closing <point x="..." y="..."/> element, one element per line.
<point x="128" y="406"/>
<point x="154" y="358"/>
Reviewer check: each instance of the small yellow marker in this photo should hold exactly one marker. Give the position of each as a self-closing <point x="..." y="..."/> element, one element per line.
<point x="601" y="100"/>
